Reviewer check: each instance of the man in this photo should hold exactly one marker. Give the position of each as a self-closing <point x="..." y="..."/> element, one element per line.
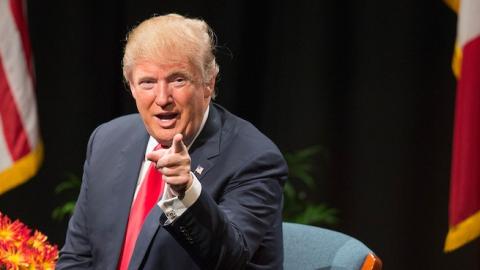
<point x="191" y="186"/>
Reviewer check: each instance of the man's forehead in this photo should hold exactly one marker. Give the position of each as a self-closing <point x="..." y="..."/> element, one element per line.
<point x="167" y="66"/>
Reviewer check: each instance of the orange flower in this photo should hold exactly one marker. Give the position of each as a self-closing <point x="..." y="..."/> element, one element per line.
<point x="20" y="250"/>
<point x="12" y="257"/>
<point x="12" y="232"/>
<point x="37" y="240"/>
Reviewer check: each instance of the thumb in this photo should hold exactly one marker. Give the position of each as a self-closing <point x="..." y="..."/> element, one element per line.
<point x="155" y="155"/>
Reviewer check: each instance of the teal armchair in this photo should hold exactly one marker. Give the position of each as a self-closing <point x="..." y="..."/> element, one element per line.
<point x="313" y="248"/>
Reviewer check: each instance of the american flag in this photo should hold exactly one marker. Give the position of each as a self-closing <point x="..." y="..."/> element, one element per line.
<point x="21" y="149"/>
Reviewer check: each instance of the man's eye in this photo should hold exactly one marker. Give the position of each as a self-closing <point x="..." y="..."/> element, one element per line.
<point x="179" y="82"/>
<point x="149" y="84"/>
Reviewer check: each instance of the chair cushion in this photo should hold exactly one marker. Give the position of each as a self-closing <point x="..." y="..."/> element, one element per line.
<point x="307" y="247"/>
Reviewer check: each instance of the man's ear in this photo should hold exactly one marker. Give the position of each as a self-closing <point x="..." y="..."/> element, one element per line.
<point x="210" y="87"/>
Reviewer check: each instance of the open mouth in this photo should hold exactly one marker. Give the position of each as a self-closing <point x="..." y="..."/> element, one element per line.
<point x="167" y="119"/>
<point x="167" y="116"/>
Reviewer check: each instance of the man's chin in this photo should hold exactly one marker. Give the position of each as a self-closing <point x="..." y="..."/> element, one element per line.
<point x="163" y="139"/>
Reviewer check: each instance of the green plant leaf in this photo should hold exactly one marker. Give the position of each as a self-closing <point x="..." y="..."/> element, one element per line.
<point x="298" y="206"/>
<point x="73" y="182"/>
<point x="60" y="212"/>
<point x="67" y="189"/>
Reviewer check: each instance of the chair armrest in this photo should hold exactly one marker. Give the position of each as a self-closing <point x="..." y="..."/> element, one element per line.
<point x="372" y="262"/>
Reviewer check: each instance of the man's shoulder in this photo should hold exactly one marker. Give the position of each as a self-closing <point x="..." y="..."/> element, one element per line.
<point x="120" y="128"/>
<point x="122" y="123"/>
<point x="236" y="130"/>
<point x="232" y="122"/>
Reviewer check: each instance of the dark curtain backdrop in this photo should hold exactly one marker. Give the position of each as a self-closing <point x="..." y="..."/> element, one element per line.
<point x="369" y="81"/>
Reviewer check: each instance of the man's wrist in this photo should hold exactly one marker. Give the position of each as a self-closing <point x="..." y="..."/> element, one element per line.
<point x="174" y="205"/>
<point x="179" y="190"/>
<point x="193" y="192"/>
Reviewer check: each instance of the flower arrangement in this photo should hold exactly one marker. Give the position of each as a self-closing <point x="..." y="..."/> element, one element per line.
<point x="22" y="250"/>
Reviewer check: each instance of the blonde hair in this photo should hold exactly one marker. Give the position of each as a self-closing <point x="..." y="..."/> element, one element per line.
<point x="172" y="35"/>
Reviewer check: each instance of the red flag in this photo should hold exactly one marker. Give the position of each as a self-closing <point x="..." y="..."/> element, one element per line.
<point x="21" y="150"/>
<point x="464" y="219"/>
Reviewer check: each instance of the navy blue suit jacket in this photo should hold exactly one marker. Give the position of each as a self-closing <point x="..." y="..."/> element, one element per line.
<point x="236" y="222"/>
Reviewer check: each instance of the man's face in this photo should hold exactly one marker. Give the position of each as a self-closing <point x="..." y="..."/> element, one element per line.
<point x="171" y="98"/>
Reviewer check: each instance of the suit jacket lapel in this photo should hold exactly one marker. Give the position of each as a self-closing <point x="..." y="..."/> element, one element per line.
<point x="127" y="170"/>
<point x="207" y="144"/>
<point x="149" y="229"/>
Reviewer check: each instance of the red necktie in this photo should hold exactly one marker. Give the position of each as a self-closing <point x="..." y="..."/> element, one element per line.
<point x="147" y="196"/>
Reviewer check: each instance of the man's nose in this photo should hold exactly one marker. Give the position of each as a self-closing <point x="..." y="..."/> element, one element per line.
<point x="163" y="95"/>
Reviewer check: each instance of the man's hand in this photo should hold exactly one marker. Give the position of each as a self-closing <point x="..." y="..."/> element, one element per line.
<point x="174" y="164"/>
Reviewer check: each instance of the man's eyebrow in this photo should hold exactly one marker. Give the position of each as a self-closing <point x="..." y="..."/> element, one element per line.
<point x="180" y="73"/>
<point x="146" y="78"/>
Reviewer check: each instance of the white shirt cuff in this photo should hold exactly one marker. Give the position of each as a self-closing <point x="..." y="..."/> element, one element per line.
<point x="173" y="206"/>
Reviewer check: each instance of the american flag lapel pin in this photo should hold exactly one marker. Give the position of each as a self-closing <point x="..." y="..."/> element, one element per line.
<point x="199" y="170"/>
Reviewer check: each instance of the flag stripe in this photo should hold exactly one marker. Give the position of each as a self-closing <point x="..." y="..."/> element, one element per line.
<point x="5" y="157"/>
<point x="17" y="75"/>
<point x="17" y="11"/>
<point x="13" y="130"/>
<point x="466" y="153"/>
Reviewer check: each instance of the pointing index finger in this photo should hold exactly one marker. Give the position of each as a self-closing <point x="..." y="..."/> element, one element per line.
<point x="178" y="145"/>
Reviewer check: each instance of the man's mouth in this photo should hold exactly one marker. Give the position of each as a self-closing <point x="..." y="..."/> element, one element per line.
<point x="167" y="119"/>
<point x="167" y="116"/>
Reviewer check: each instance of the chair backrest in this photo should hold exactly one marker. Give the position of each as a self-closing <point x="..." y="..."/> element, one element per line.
<point x="312" y="248"/>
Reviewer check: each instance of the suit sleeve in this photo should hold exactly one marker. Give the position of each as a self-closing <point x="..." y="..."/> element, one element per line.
<point x="76" y="253"/>
<point x="225" y="234"/>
